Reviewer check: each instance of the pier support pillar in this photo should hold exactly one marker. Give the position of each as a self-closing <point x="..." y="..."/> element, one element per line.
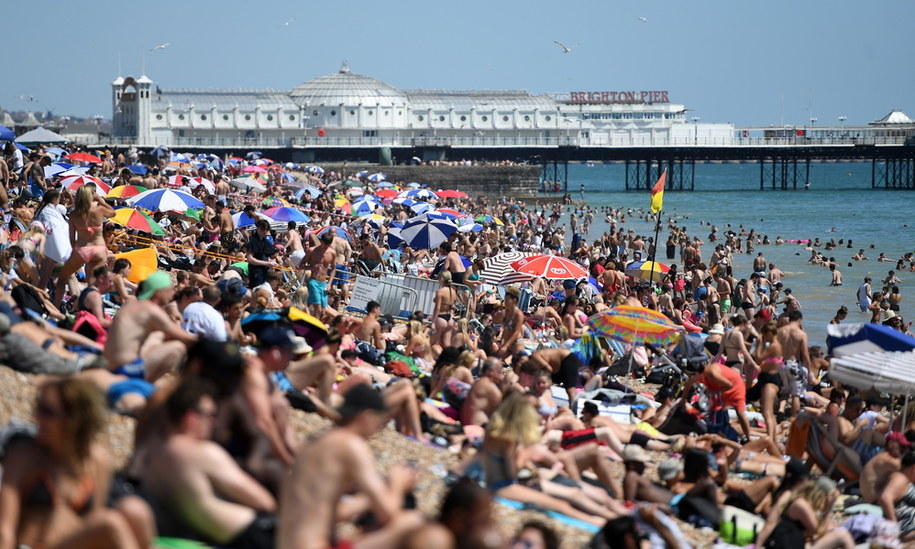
<point x="893" y="173"/>
<point x="642" y="174"/>
<point x="784" y="172"/>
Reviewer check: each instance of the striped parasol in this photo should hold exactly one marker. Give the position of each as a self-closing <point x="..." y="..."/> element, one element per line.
<point x="497" y="269"/>
<point x="631" y="324"/>
<point x="647" y="270"/>
<point x="553" y="267"/>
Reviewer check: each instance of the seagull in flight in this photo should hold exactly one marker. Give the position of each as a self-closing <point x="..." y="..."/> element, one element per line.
<point x="565" y="49"/>
<point x="643" y="19"/>
<point x="161" y="46"/>
<point x="285" y="24"/>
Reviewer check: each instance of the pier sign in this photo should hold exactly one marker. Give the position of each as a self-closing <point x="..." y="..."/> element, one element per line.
<point x="617" y="98"/>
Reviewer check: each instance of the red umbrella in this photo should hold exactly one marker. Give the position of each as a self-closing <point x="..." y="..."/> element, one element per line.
<point x="447" y="193"/>
<point x="176" y="181"/>
<point x="550" y="266"/>
<point x="253" y="169"/>
<point x="74" y="182"/>
<point x="84" y="157"/>
<point x="386" y="193"/>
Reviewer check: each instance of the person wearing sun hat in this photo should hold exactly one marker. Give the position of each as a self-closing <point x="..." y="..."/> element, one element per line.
<point x="134" y="324"/>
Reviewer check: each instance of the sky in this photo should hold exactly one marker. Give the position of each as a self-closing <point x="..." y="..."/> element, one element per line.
<point x="755" y="63"/>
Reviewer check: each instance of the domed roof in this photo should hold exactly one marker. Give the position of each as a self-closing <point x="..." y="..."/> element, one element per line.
<point x="348" y="89"/>
<point x="895" y="117"/>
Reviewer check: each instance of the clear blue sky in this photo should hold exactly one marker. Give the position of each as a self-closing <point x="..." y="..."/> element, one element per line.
<point x="750" y="63"/>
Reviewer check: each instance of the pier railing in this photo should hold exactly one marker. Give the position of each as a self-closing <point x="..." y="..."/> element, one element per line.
<point x="491" y="142"/>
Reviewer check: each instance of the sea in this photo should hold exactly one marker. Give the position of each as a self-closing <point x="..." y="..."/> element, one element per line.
<point x="839" y="204"/>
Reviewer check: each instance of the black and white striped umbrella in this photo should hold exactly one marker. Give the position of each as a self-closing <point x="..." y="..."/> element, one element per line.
<point x="497" y="269"/>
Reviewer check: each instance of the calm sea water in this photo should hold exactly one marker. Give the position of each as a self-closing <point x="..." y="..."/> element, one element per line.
<point x="840" y="197"/>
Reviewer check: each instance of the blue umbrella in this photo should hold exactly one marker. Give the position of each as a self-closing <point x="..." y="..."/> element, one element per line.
<point x="394" y="240"/>
<point x="137" y="169"/>
<point x="384" y="185"/>
<point x="377" y="177"/>
<point x="427" y="231"/>
<point x="413" y="185"/>
<point x="338" y="231"/>
<point x="405" y="202"/>
<point x="56" y="151"/>
<point x="285" y="213"/>
<point x="22" y="147"/>
<point x="366" y="205"/>
<point x="313" y="191"/>
<point x="166" y="200"/>
<point x="7" y="134"/>
<point x="242" y="220"/>
<point x="846" y="339"/>
<point x="424" y="207"/>
<point x="56" y="168"/>
<point x="362" y="174"/>
<point x="418" y="194"/>
<point x="291" y="166"/>
<point x="253" y="155"/>
<point x="177" y="157"/>
<point x="471" y="228"/>
<point x="160" y="152"/>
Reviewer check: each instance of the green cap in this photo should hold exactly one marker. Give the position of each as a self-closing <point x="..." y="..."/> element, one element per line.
<point x="159" y="280"/>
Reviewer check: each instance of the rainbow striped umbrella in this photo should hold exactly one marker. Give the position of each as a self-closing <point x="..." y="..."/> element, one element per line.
<point x="631" y="324"/>
<point x="126" y="191"/>
<point x="135" y="219"/>
<point x="647" y="270"/>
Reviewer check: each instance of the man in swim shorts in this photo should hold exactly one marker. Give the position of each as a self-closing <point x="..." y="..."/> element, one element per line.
<point x="322" y="261"/>
<point x="130" y="350"/>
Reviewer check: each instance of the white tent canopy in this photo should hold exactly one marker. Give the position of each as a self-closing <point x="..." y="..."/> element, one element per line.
<point x="41" y="135"/>
<point x="886" y="372"/>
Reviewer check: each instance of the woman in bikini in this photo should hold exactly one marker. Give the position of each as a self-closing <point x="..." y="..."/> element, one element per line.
<point x="768" y="354"/>
<point x="735" y="351"/>
<point x="55" y="485"/>
<point x="86" y="236"/>
<point x="441" y="315"/>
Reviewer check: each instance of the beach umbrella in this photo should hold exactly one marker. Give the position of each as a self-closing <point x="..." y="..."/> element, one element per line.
<point x="355" y="192"/>
<point x="413" y="185"/>
<point x="84" y="157"/>
<point x="242" y="220"/>
<point x="247" y="184"/>
<point x="7" y="134"/>
<point x="204" y="182"/>
<point x="271" y="201"/>
<point x="451" y="213"/>
<point x="377" y="177"/>
<point x="285" y="213"/>
<point x="418" y="194"/>
<point x="125" y="191"/>
<point x="488" y="219"/>
<point x="848" y="339"/>
<point x="342" y="233"/>
<point x="384" y="185"/>
<point x="386" y="193"/>
<point x="630" y="324"/>
<point x="253" y="155"/>
<point x="498" y="270"/>
<point x="424" y="207"/>
<point x="883" y="371"/>
<point x="342" y="204"/>
<point x="366" y="205"/>
<point x="253" y="169"/>
<point x="312" y="191"/>
<point x="647" y="270"/>
<point x="360" y="175"/>
<point x="165" y="200"/>
<point x="74" y="182"/>
<point x="56" y="169"/>
<point x="447" y="193"/>
<point x="349" y="183"/>
<point x="470" y="228"/>
<point x="160" y="152"/>
<point x="373" y="219"/>
<point x="56" y="151"/>
<point x="291" y="166"/>
<point x="135" y="219"/>
<point x="394" y="239"/>
<point x="552" y="267"/>
<point x="138" y="169"/>
<point x="176" y="181"/>
<point x="427" y="231"/>
<point x="22" y="148"/>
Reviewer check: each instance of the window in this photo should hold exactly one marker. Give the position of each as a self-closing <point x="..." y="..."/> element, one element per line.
<point x="387" y="113"/>
<point x="371" y="113"/>
<point x="180" y="117"/>
<point x="158" y="117"/>
<point x="352" y="113"/>
<point x="485" y="118"/>
<point x="420" y="118"/>
<point x="247" y="117"/>
<point x="527" y="118"/>
<point x="399" y="113"/>
<point x="369" y="133"/>
<point x="225" y="117"/>
<point x="548" y="118"/>
<point x="463" y="118"/>
<point x="292" y="118"/>
<point x="203" y="117"/>
<point x="441" y="118"/>
<point x="269" y="117"/>
<point x="333" y="113"/>
<point x="314" y="113"/>
<point x="505" y="119"/>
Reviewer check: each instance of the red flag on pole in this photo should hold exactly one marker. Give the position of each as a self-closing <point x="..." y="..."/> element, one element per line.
<point x="657" y="193"/>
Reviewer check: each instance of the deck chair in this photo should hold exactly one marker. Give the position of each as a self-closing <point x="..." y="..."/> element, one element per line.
<point x="835" y="459"/>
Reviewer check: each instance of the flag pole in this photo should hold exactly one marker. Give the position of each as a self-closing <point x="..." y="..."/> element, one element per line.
<point x="654" y="252"/>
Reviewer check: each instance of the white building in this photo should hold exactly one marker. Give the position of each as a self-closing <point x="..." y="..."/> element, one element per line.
<point x="350" y="110"/>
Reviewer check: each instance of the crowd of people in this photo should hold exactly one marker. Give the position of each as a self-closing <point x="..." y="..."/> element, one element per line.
<point x="236" y="323"/>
